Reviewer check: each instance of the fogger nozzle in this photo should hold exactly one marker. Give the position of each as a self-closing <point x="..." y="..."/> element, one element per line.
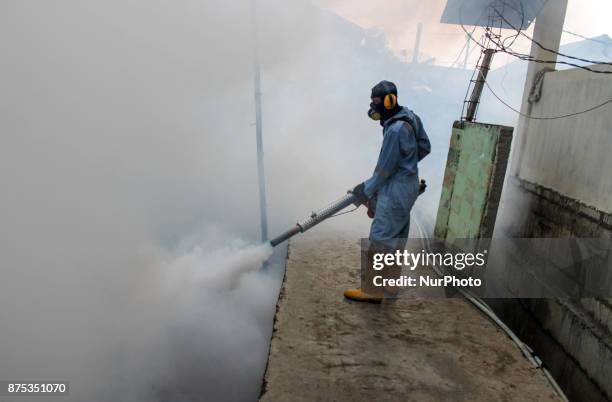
<point x="315" y="218"/>
<point x="331" y="210"/>
<point x="285" y="236"/>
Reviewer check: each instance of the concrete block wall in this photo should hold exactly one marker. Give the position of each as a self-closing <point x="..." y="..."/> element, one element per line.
<point x="573" y="337"/>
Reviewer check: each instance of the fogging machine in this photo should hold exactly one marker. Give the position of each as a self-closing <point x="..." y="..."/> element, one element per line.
<point x="327" y="212"/>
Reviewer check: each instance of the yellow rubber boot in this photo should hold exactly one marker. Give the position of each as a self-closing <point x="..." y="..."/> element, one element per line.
<point x="360" y="295"/>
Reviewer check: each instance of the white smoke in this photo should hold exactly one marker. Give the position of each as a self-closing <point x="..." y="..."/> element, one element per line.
<point x="188" y="327"/>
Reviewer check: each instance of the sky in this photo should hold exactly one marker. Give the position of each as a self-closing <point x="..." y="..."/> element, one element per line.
<point x="398" y="19"/>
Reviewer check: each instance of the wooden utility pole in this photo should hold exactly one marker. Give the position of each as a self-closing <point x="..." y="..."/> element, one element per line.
<point x="417" y="44"/>
<point x="258" y="129"/>
<point x="483" y="70"/>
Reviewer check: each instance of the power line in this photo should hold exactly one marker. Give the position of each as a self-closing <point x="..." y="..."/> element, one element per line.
<point x="526" y="57"/>
<point x="490" y="37"/>
<point x="587" y="38"/>
<point x="465" y="45"/>
<point x="434" y="33"/>
<point x="547" y="49"/>
<point x="460" y="53"/>
<point x="545" y="117"/>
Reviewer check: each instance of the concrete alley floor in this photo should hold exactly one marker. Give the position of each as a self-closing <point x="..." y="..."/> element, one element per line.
<point x="325" y="348"/>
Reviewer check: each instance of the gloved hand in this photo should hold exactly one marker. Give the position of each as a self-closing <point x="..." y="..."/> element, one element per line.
<point x="359" y="193"/>
<point x="371" y="205"/>
<point x="422" y="186"/>
<point x="370" y="211"/>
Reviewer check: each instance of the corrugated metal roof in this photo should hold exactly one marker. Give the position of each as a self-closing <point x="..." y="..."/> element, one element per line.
<point x="519" y="13"/>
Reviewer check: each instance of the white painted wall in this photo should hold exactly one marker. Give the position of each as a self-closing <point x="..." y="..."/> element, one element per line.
<point x="571" y="155"/>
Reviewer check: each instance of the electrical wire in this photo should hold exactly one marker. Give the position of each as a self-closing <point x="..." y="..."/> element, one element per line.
<point x="606" y="45"/>
<point x="460" y="53"/>
<point x="587" y="38"/>
<point x="465" y="45"/>
<point x="547" y="49"/>
<point x="544" y="117"/>
<point x="518" y="33"/>
<point x="525" y="57"/>
<point x="490" y="37"/>
<point x="345" y="212"/>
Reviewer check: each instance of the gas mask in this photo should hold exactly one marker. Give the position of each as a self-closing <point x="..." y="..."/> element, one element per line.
<point x="374" y="112"/>
<point x="384" y="109"/>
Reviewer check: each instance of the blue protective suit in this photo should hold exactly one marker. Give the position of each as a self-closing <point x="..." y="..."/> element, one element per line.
<point x="396" y="177"/>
